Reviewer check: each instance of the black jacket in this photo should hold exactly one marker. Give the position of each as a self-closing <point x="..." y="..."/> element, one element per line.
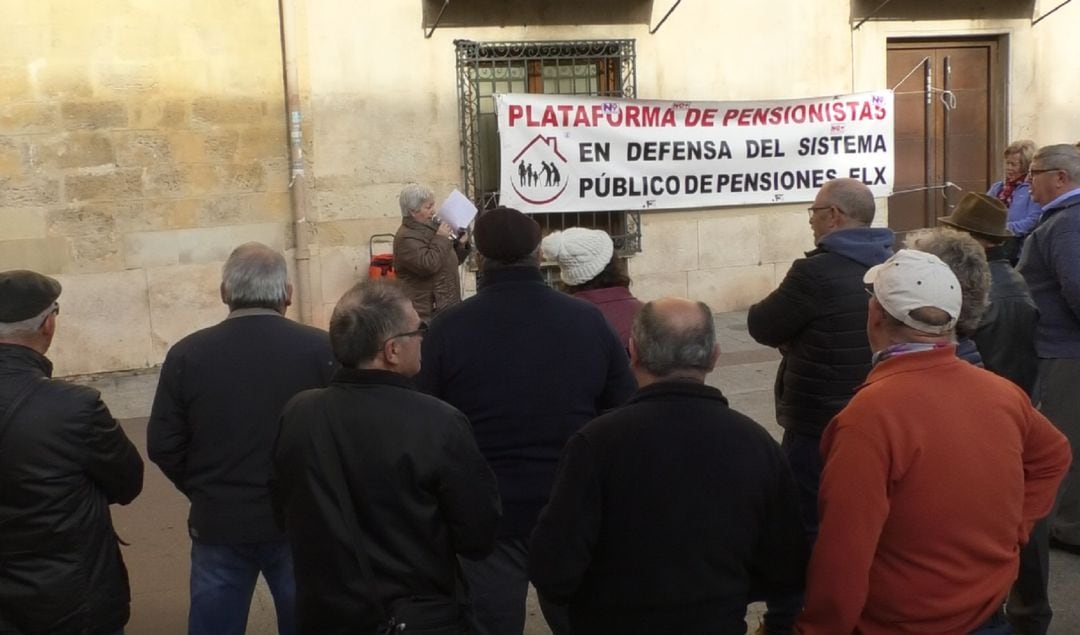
<point x="817" y="318"/>
<point x="1006" y="334"/>
<point x="528" y="366"/>
<point x="63" y="460"/>
<point x="369" y="465"/>
<point x="215" y="414"/>
<point x="669" y="515"/>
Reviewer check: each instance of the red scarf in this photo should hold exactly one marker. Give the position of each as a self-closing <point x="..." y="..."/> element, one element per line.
<point x="1007" y="187"/>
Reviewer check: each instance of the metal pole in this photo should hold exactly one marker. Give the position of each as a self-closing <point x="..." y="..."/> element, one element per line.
<point x="297" y="180"/>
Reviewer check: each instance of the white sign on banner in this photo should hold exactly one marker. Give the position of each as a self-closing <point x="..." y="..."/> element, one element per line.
<point x="565" y="153"/>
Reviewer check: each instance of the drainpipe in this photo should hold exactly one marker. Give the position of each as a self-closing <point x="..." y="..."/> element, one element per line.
<point x="297" y="180"/>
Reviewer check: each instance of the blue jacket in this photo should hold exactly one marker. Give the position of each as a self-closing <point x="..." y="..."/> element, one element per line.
<point x="528" y="366"/>
<point x="1024" y="213"/>
<point x="1050" y="263"/>
<point x="817" y="318"/>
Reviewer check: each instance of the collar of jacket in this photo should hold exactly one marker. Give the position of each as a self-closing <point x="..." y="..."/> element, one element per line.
<point x="371" y="376"/>
<point x="19" y="357"/>
<point x="524" y="273"/>
<point x="605" y="295"/>
<point x="1072" y="201"/>
<point x="997" y="252"/>
<point x="668" y="388"/>
<point x="913" y="363"/>
<point x="412" y="223"/>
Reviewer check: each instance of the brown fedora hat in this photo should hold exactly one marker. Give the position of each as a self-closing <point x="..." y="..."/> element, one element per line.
<point x="979" y="214"/>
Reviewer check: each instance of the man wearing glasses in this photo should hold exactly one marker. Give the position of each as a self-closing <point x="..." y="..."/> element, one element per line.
<point x="1050" y="263"/>
<point x="63" y="461"/>
<point x="381" y="487"/>
<point x="211" y="431"/>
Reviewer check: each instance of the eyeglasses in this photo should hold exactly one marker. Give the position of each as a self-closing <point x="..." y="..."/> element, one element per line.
<point x="1034" y="171"/>
<point x="420" y="330"/>
<point x="810" y="210"/>
<point x="55" y="311"/>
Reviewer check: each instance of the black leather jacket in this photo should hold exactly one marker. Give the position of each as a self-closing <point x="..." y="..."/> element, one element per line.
<point x="63" y="460"/>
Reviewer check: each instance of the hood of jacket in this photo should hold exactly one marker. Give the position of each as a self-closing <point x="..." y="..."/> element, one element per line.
<point x="866" y="245"/>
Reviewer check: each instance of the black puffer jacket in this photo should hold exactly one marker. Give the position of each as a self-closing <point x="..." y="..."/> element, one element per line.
<point x="1006" y="333"/>
<point x="817" y="318"/>
<point x="63" y="460"/>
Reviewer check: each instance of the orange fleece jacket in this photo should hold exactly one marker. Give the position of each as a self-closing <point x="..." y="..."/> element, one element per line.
<point x="934" y="475"/>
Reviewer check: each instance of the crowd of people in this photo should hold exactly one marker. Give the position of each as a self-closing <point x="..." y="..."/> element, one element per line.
<point x="416" y="466"/>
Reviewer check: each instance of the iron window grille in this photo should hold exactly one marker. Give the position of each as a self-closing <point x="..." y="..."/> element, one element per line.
<point x="604" y="68"/>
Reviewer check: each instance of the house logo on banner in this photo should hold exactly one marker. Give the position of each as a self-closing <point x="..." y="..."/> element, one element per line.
<point x="540" y="174"/>
<point x="572" y="153"/>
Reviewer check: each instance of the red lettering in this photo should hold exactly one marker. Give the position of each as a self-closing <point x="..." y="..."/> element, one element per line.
<point x="514" y="113"/>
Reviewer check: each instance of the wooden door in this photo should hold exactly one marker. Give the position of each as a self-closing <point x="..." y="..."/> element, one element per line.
<point x="948" y="126"/>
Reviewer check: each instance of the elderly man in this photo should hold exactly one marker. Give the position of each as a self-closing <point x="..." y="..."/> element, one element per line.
<point x="427" y="253"/>
<point x="529" y="366"/>
<point x="63" y="461"/>
<point x="1050" y="263"/>
<point x="211" y="431"/>
<point x="627" y="555"/>
<point x="816" y="318"/>
<point x="380" y="486"/>
<point x="925" y="501"/>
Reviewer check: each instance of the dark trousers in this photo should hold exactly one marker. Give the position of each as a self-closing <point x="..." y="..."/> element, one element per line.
<point x="804" y="456"/>
<point x="498" y="586"/>
<point x="1028" y="608"/>
<point x="1059" y="400"/>
<point x="223" y="578"/>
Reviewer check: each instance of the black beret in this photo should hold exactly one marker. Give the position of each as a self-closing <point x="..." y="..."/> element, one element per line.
<point x="506" y="235"/>
<point x="24" y="294"/>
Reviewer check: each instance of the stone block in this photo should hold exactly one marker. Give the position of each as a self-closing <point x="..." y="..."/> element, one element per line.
<point x="235" y="209"/>
<point x="355" y="232"/>
<point x="276" y="174"/>
<point x="187" y="146"/>
<point x="141" y="149"/>
<point x="74" y="150"/>
<point x="22" y="223"/>
<point x="143" y="216"/>
<point x="183" y="299"/>
<point x="156" y="114"/>
<point x="263" y="143"/>
<point x="13" y="155"/>
<point x="63" y="81"/>
<point x="238" y="177"/>
<point x="220" y="145"/>
<point x="104" y="325"/>
<point x="34" y="192"/>
<point x="725" y="241"/>
<point x="81" y="220"/>
<point x="129" y="78"/>
<point x="227" y="110"/>
<point x="668" y="243"/>
<point x="91" y="233"/>
<point x="44" y="255"/>
<point x="731" y="288"/>
<point x="784" y="235"/>
<point x="94" y="115"/>
<point x="197" y="245"/>
<point x="650" y="286"/>
<point x="118" y="184"/>
<point x="342" y="198"/>
<point x="25" y="118"/>
<point x="14" y="82"/>
<point x="342" y="267"/>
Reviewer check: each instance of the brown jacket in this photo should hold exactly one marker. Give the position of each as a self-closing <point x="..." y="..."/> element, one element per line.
<point x="428" y="266"/>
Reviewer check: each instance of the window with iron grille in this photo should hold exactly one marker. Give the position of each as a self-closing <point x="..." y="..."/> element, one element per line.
<point x="576" y="67"/>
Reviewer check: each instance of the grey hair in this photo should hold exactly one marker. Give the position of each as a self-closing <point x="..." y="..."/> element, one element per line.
<point x="1062" y="156"/>
<point x="25" y="328"/>
<point x="853" y="198"/>
<point x="367" y="315"/>
<point x="663" y="349"/>
<point x="1023" y="148"/>
<point x="967" y="259"/>
<point x="412" y="197"/>
<point x="255" y="276"/>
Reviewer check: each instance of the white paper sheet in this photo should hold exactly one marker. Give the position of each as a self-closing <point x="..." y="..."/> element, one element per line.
<point x="457" y="211"/>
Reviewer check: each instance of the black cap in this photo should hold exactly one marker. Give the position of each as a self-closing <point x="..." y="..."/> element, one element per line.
<point x="506" y="235"/>
<point x="24" y="294"/>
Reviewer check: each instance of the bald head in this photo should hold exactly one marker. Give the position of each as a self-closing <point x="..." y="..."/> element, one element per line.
<point x="255" y="276"/>
<point x="852" y="198"/>
<point x="673" y="338"/>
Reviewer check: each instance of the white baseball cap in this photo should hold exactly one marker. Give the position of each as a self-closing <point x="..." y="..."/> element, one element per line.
<point x="912" y="280"/>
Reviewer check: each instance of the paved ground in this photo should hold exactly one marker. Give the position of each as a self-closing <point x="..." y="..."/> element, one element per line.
<point x="155" y="524"/>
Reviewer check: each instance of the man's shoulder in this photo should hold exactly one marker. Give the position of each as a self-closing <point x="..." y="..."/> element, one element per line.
<point x="267" y="329"/>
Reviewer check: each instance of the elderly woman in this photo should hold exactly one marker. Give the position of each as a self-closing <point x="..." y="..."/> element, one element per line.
<point x="590" y="270"/>
<point x="1015" y="192"/>
<point x="427" y="253"/>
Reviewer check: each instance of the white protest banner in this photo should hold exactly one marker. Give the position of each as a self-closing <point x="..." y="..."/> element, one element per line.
<point x="564" y="153"/>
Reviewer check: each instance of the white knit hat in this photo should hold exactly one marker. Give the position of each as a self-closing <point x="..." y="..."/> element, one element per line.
<point x="914" y="279"/>
<point x="581" y="253"/>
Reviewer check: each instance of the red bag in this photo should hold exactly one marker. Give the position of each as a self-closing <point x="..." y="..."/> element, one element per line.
<point x="382" y="266"/>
